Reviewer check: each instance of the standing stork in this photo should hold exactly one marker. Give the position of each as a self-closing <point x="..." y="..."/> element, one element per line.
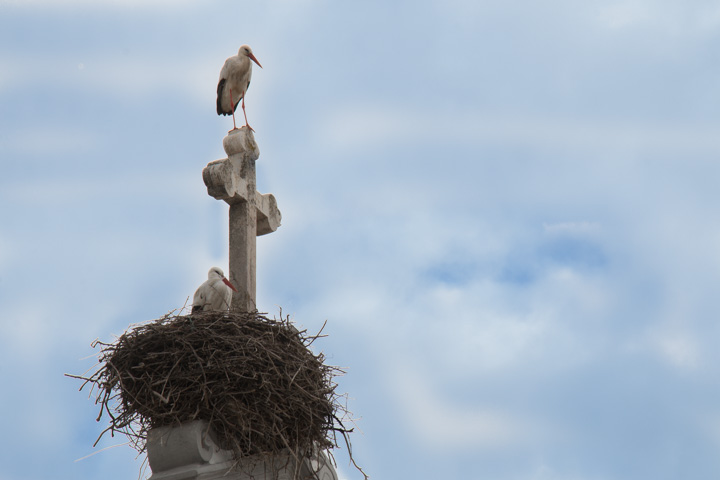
<point x="234" y="82"/>
<point x="214" y="294"/>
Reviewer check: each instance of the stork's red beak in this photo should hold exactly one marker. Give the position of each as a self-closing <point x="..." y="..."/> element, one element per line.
<point x="252" y="57"/>
<point x="227" y="282"/>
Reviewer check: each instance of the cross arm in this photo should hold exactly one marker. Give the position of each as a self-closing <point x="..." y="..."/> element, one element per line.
<point x="268" y="213"/>
<point x="223" y="184"/>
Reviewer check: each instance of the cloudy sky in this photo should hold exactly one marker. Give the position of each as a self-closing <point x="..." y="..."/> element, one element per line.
<point x="508" y="213"/>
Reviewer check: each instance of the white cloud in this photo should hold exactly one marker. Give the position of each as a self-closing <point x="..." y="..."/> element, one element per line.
<point x="352" y="126"/>
<point x="442" y="426"/>
<point x="27" y="331"/>
<point x="83" y="188"/>
<point x="59" y="140"/>
<point x="191" y="78"/>
<point x="98" y="4"/>
<point x="625" y="14"/>
<point x="488" y="341"/>
<point x="373" y="127"/>
<point x="5" y="249"/>
<point x="572" y="228"/>
<point x="466" y="331"/>
<point x="546" y="472"/>
<point x="677" y="347"/>
<point x="668" y="17"/>
<point x="709" y="423"/>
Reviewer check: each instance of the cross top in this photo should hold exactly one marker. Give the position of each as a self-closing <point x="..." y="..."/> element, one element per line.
<point x="251" y="214"/>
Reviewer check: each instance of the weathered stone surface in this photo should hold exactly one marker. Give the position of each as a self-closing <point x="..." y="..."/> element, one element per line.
<point x="241" y="141"/>
<point x="184" y="448"/>
<point x="268" y="214"/>
<point x="189" y="452"/>
<point x="232" y="179"/>
<point x="222" y="183"/>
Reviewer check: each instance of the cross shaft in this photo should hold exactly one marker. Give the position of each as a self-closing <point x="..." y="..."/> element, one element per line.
<point x="252" y="214"/>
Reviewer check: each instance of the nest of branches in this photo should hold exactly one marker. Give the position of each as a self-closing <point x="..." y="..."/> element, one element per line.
<point x="253" y="379"/>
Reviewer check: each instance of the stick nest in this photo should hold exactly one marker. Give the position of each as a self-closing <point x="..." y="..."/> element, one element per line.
<point x="255" y="381"/>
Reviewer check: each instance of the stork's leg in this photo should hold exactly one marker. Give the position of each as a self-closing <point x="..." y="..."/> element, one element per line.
<point x="232" y="109"/>
<point x="243" y="107"/>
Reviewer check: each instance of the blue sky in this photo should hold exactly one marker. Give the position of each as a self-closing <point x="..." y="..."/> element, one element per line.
<point x="507" y="212"/>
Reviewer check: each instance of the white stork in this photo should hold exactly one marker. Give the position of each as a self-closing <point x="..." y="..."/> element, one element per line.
<point x="234" y="82"/>
<point x="214" y="294"/>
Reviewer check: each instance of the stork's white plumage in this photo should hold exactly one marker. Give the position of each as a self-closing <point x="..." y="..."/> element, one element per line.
<point x="234" y="82"/>
<point x="214" y="294"/>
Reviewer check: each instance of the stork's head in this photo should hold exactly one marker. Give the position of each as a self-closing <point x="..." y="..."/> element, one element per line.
<point x="246" y="51"/>
<point x="216" y="272"/>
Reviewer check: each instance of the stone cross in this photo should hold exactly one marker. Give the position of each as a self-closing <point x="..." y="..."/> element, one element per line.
<point x="251" y="214"/>
<point x="189" y="451"/>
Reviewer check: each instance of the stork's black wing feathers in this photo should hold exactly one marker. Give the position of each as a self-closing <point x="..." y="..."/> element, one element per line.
<point x="221" y="87"/>
<point x="236" y="101"/>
